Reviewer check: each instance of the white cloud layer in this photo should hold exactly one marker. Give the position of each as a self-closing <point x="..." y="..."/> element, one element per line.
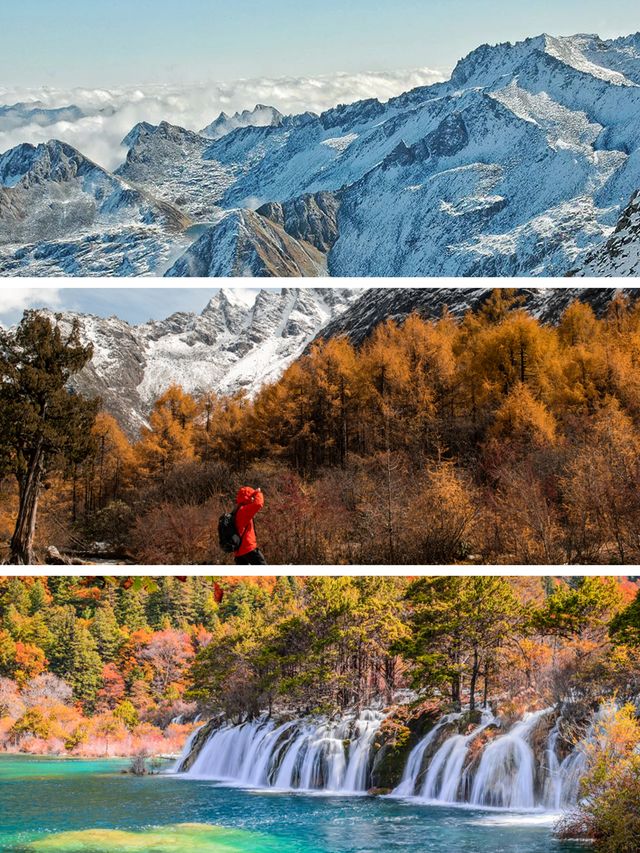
<point x="14" y="300"/>
<point x="110" y="114"/>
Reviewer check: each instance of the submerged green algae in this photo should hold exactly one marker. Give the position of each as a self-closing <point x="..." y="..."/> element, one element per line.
<point x="175" y="838"/>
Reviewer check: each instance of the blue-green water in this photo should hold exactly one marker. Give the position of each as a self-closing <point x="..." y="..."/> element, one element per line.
<point x="40" y="798"/>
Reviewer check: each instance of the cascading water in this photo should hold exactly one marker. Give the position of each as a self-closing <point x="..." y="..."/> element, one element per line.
<point x="336" y="756"/>
<point x="186" y="749"/>
<point x="506" y="775"/>
<point x="325" y="755"/>
<point x="563" y="783"/>
<point x="413" y="769"/>
<point x="445" y="777"/>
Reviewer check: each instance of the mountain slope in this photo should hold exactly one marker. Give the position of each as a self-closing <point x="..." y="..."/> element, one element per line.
<point x="620" y="254"/>
<point x="380" y="304"/>
<point x="169" y="162"/>
<point x="244" y="243"/>
<point x="61" y="213"/>
<point x="518" y="165"/>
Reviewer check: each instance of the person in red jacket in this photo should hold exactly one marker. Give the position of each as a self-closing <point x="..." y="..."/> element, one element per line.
<point x="249" y="502"/>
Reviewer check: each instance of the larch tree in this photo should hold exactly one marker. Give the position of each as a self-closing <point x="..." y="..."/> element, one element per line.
<point x="42" y="421"/>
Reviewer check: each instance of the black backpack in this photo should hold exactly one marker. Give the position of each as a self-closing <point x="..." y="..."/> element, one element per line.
<point x="228" y="536"/>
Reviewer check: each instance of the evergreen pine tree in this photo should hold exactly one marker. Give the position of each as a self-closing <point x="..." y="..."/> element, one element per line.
<point x="42" y="423"/>
<point x="130" y="609"/>
<point x="37" y="597"/>
<point x="106" y="632"/>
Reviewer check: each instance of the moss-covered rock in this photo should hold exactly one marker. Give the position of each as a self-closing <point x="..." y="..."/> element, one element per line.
<point x="396" y="737"/>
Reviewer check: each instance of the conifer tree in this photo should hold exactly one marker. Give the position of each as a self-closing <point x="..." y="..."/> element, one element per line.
<point x="41" y="421"/>
<point x="106" y="632"/>
<point x="130" y="608"/>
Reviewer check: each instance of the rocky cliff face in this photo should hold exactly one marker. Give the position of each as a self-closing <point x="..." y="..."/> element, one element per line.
<point x="312" y="218"/>
<point x="245" y="243"/>
<point x="620" y="253"/>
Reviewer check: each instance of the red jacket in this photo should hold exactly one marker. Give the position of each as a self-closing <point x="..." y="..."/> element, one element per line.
<point x="249" y="501"/>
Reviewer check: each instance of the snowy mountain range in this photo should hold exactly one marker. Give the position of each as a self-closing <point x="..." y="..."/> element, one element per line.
<point x="233" y="345"/>
<point x="230" y="346"/>
<point x="523" y="163"/>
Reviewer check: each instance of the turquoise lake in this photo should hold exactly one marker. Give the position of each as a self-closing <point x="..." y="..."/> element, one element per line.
<point x="91" y="806"/>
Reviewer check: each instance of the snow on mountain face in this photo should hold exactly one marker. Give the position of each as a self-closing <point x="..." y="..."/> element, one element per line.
<point x="60" y="214"/>
<point x="259" y="116"/>
<point x="620" y="254"/>
<point x="230" y="346"/>
<point x="169" y="162"/>
<point x="517" y="166"/>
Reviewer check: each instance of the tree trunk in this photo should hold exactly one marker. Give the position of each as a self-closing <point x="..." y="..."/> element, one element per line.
<point x="21" y="547"/>
<point x="474" y="679"/>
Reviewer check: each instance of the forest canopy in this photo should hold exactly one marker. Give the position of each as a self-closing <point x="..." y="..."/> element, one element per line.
<point x="140" y="653"/>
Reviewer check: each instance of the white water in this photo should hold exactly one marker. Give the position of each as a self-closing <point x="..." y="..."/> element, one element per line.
<point x="413" y="768"/>
<point x="506" y="775"/>
<point x="444" y="781"/>
<point x="507" y="770"/>
<point x="336" y="756"/>
<point x="563" y="784"/>
<point x="325" y="755"/>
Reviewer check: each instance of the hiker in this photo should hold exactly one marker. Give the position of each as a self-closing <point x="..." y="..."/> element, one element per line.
<point x="248" y="502"/>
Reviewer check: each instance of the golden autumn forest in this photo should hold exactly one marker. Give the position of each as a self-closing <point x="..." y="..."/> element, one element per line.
<point x="493" y="438"/>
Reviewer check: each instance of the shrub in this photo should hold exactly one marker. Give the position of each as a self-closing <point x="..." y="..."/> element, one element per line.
<point x="609" y="812"/>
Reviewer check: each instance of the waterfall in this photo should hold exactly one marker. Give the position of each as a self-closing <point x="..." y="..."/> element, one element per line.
<point x="553" y="784"/>
<point x="186" y="749"/>
<point x="356" y="776"/>
<point x="335" y="755"/>
<point x="445" y="778"/>
<point x="507" y="770"/>
<point x="413" y="768"/>
<point x="327" y="755"/>
<point x="563" y="783"/>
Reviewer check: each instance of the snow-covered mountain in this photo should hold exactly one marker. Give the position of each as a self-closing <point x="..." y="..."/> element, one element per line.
<point x="230" y="346"/>
<point x="62" y="214"/>
<point x="521" y="164"/>
<point x="170" y="163"/>
<point x="260" y="116"/>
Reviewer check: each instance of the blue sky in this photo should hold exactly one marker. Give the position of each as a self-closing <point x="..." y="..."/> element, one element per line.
<point x="98" y="43"/>
<point x="136" y="305"/>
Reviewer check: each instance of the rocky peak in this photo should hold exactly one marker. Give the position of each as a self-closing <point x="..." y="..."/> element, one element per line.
<point x="260" y="116"/>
